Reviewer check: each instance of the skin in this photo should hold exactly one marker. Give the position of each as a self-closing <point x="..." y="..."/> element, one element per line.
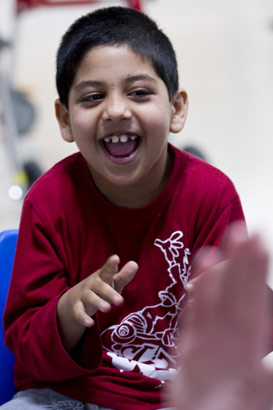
<point x="76" y="307"/>
<point x="115" y="92"/>
<point x="227" y="323"/>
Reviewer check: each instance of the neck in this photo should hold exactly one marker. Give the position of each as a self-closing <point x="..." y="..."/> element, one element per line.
<point x="139" y="194"/>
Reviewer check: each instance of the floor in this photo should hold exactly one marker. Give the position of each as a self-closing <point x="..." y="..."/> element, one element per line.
<point x="225" y="55"/>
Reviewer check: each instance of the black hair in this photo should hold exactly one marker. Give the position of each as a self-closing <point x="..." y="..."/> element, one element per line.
<point x="115" y="26"/>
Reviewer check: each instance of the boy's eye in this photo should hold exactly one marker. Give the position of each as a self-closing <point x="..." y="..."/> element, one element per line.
<point x="140" y="92"/>
<point x="92" y="97"/>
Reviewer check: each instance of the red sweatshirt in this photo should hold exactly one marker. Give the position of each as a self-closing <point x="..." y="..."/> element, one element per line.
<point x="67" y="232"/>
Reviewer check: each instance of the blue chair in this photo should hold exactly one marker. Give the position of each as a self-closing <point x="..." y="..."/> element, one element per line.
<point x="8" y="241"/>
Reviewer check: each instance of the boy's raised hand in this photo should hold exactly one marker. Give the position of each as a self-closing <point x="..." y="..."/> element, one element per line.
<point x="98" y="291"/>
<point x="102" y="288"/>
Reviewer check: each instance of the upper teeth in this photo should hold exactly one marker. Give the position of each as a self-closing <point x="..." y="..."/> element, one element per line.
<point x="119" y="138"/>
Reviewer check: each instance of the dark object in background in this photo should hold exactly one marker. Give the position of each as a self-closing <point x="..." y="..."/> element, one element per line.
<point x="16" y="118"/>
<point x="195" y="151"/>
<point x="33" y="172"/>
<point x="24" y="111"/>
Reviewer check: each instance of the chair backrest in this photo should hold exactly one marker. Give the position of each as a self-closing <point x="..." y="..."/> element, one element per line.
<point x="8" y="241"/>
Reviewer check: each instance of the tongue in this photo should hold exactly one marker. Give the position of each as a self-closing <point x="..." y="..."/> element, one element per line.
<point x="121" y="149"/>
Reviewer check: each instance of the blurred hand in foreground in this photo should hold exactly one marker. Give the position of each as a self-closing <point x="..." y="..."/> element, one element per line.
<point x="224" y="337"/>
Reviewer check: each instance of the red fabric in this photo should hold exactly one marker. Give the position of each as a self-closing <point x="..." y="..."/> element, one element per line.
<point x="23" y="5"/>
<point x="67" y="231"/>
<point x="135" y="4"/>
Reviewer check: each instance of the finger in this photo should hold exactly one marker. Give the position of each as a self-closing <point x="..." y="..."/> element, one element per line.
<point x="207" y="269"/>
<point x="93" y="302"/>
<point x="268" y="384"/>
<point x="204" y="260"/>
<point x="108" y="270"/>
<point x="81" y="316"/>
<point x="261" y="389"/>
<point x="204" y="300"/>
<point x="235" y="234"/>
<point x="208" y="261"/>
<point x="207" y="257"/>
<point x="104" y="291"/>
<point x="125" y="276"/>
<point x="249" y="267"/>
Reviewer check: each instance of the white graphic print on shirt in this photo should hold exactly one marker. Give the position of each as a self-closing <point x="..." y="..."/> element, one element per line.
<point x="138" y="341"/>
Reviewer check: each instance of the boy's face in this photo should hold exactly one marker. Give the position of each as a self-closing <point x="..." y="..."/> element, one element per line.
<point x="120" y="117"/>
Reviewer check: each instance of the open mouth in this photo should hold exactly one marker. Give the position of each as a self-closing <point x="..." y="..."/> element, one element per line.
<point x="121" y="145"/>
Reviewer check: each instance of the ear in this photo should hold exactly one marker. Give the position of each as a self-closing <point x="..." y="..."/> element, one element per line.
<point x="179" y="111"/>
<point x="63" y="117"/>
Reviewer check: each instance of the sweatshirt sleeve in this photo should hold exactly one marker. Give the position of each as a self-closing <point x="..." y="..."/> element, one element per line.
<point x="39" y="278"/>
<point x="219" y="208"/>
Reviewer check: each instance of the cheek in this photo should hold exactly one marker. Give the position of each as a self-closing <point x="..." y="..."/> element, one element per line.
<point x="159" y="129"/>
<point x="81" y="124"/>
<point x="158" y="120"/>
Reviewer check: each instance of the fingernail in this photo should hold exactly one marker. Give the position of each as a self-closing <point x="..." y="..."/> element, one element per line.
<point x="88" y="322"/>
<point x="104" y="306"/>
<point x="117" y="299"/>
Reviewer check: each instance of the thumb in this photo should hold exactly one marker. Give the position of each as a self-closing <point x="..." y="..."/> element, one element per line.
<point x="125" y="276"/>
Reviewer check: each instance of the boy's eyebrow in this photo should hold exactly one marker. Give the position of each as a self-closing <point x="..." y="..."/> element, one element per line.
<point x="129" y="79"/>
<point x="89" y="83"/>
<point x="139" y="77"/>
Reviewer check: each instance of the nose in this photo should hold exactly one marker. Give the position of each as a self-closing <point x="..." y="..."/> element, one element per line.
<point x="116" y="107"/>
